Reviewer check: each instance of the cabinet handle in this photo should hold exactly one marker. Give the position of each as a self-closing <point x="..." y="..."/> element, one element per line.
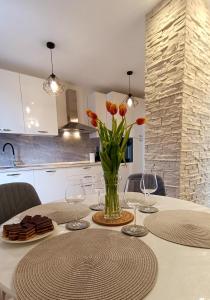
<point x="14" y="174"/>
<point x="7" y="129"/>
<point x="85" y="168"/>
<point x="87" y="176"/>
<point x="88" y="185"/>
<point x="50" y="171"/>
<point x="42" y="131"/>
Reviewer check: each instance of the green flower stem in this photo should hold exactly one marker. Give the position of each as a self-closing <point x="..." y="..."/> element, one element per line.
<point x="112" y="205"/>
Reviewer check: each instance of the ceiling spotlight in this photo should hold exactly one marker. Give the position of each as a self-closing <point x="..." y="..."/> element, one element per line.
<point x="52" y="85"/>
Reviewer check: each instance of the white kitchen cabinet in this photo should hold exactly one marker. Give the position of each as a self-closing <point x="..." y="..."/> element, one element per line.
<point x="11" y="120"/>
<point x="82" y="106"/>
<point x="81" y="174"/>
<point x="17" y="176"/>
<point x="97" y="103"/>
<point x="84" y="171"/>
<point x="50" y="184"/>
<point x="39" y="108"/>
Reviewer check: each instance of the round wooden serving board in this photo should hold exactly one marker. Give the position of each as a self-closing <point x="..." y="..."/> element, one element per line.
<point x="126" y="217"/>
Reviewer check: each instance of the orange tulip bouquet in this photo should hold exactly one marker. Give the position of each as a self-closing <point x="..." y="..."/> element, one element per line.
<point x="112" y="152"/>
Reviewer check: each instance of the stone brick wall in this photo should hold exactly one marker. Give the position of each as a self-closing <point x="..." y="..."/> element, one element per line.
<point x="177" y="97"/>
<point x="164" y="70"/>
<point x="195" y="151"/>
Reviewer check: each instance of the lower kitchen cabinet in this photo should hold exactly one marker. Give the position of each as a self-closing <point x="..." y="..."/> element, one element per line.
<point x="84" y="171"/>
<point x="17" y="176"/>
<point x="50" y="184"/>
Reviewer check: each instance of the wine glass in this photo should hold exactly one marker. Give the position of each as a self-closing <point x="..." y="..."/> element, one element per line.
<point x="133" y="201"/>
<point x="97" y="183"/>
<point x="75" y="195"/>
<point x="148" y="185"/>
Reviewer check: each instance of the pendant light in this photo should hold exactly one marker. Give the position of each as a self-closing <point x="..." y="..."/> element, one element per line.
<point x="130" y="100"/>
<point x="52" y="85"/>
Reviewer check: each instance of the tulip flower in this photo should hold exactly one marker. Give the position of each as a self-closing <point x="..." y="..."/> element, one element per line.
<point x="113" y="109"/>
<point x="108" y="105"/>
<point x="88" y="112"/>
<point x="91" y="114"/>
<point x="140" y="121"/>
<point x="94" y="122"/>
<point x="122" y="109"/>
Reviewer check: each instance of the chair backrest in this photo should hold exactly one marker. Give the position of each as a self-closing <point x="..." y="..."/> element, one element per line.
<point x="134" y="184"/>
<point x="15" y="198"/>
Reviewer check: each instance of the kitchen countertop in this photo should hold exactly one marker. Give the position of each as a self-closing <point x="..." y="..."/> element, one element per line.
<point x="27" y="167"/>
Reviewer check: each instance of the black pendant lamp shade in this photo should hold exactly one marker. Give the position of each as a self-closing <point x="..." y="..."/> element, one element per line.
<point x="52" y="85"/>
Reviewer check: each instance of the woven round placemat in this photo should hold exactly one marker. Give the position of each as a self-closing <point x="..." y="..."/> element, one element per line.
<point x="87" y="265"/>
<point x="60" y="212"/>
<point x="126" y="217"/>
<point x="185" y="227"/>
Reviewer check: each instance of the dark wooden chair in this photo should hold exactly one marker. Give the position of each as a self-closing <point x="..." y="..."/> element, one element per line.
<point x="134" y="184"/>
<point x="15" y="198"/>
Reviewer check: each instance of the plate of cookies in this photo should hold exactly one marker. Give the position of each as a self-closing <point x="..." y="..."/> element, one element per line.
<point x="29" y="229"/>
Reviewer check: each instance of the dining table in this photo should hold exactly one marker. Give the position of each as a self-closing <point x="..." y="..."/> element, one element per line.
<point x="183" y="271"/>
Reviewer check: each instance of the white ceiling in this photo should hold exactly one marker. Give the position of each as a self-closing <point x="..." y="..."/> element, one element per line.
<point x="97" y="41"/>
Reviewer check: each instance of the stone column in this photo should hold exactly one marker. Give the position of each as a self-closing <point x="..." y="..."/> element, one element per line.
<point x="177" y="97"/>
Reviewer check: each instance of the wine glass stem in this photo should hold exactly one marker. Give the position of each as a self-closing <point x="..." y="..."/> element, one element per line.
<point x="135" y="216"/>
<point x="148" y="194"/>
<point x="99" y="198"/>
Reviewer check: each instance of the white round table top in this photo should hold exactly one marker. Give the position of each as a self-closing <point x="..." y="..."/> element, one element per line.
<point x="183" y="272"/>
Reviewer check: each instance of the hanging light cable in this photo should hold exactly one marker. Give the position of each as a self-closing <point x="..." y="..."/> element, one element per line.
<point x="52" y="85"/>
<point x="129" y="101"/>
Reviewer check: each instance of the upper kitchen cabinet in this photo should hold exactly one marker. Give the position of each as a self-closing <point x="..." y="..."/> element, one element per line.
<point x="39" y="108"/>
<point x="82" y="105"/>
<point x="97" y="103"/>
<point x="11" y="120"/>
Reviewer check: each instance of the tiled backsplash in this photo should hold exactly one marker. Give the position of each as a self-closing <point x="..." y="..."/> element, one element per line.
<point x="42" y="149"/>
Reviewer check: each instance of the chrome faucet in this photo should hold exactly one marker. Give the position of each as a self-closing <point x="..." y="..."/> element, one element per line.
<point x="13" y="152"/>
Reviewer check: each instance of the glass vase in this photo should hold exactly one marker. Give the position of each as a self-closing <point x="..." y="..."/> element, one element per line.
<point x="112" y="204"/>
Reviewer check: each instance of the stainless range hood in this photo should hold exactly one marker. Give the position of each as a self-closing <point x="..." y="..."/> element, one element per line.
<point x="72" y="115"/>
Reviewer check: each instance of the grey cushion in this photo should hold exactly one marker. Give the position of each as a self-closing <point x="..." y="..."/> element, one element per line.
<point x="15" y="198"/>
<point x="134" y="184"/>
